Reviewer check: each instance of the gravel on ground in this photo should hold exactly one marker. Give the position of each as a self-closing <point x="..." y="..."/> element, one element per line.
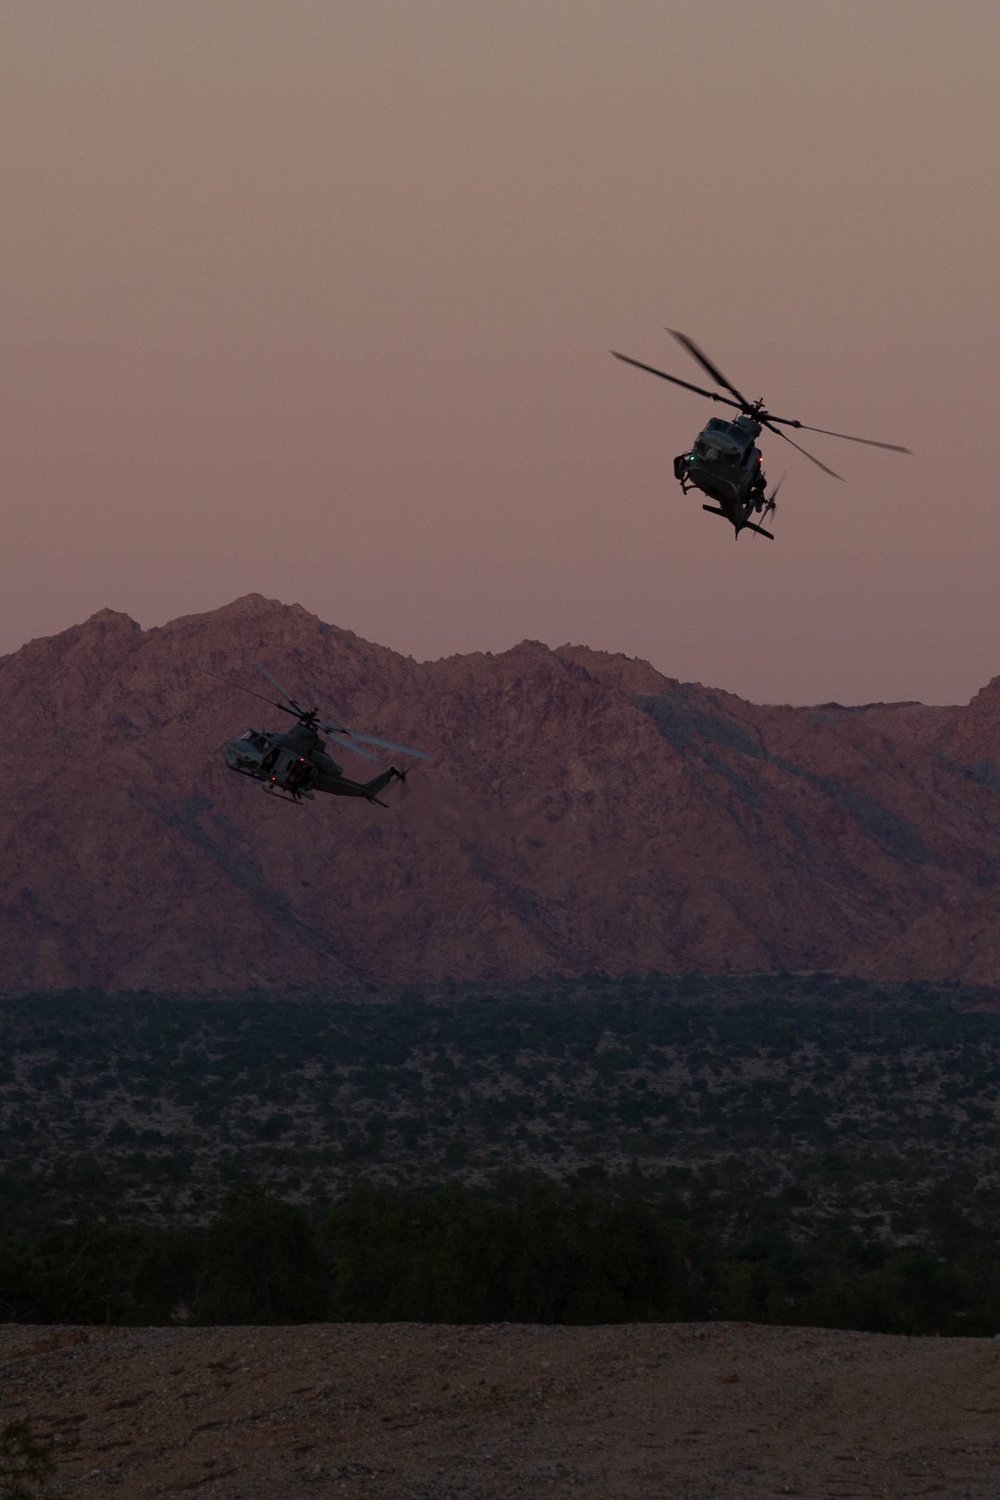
<point x="416" y="1412"/>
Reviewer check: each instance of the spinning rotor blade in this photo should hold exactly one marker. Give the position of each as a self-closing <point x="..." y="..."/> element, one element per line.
<point x="755" y="410"/>
<point x="868" y="442"/>
<point x="706" y="364"/>
<point x="209" y="673"/>
<point x="698" y="390"/>
<point x="330" y="728"/>
<point x="348" y="744"/>
<point x="369" y="739"/>
<point x="276" y="684"/>
<point x="766" y="421"/>
<point x="339" y="732"/>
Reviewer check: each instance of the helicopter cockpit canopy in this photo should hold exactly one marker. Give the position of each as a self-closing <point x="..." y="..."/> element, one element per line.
<point x="719" y="443"/>
<point x="248" y="752"/>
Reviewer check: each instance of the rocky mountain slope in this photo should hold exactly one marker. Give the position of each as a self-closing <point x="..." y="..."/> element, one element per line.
<point x="582" y="813"/>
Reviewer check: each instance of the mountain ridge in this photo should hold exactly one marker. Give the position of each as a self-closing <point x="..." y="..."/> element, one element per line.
<point x="583" y="812"/>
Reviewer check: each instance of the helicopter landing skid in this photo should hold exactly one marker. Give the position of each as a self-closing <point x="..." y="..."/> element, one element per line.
<point x="272" y="791"/>
<point x="296" y="797"/>
<point x="743" y="526"/>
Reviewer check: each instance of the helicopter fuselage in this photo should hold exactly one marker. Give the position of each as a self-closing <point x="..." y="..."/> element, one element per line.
<point x="725" y="463"/>
<point x="296" y="765"/>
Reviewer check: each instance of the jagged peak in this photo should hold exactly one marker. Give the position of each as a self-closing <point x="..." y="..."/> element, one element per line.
<point x="103" y="623"/>
<point x="248" y="604"/>
<point x="114" y="617"/>
<point x="987" y="696"/>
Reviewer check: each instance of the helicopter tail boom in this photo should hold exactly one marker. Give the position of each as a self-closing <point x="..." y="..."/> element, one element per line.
<point x="342" y="787"/>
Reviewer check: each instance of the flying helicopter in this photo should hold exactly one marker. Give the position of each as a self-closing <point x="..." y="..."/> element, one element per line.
<point x="724" y="461"/>
<point x="295" y="764"/>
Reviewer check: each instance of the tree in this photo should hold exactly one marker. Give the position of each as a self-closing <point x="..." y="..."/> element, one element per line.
<point x="261" y="1263"/>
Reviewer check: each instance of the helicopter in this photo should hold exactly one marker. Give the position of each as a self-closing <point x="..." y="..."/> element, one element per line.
<point x="295" y="764"/>
<point x="724" y="461"/>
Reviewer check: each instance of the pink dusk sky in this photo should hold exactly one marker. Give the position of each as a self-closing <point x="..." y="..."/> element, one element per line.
<point x="315" y="298"/>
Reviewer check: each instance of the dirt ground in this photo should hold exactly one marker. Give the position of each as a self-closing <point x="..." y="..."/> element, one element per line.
<point x="437" y="1413"/>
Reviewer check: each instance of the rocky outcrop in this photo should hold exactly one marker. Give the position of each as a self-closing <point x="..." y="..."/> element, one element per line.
<point x="583" y="812"/>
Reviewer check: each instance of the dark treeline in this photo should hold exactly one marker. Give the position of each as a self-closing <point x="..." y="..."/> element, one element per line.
<point x="447" y="1255"/>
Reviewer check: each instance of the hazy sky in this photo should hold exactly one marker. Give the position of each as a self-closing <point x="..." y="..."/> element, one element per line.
<point x="315" y="298"/>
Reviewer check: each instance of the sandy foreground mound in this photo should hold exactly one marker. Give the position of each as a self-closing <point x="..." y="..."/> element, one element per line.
<point x="406" y="1410"/>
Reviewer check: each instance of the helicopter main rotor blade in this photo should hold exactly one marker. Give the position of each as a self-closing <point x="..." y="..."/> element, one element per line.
<point x="674" y="380"/>
<point x="811" y="457"/>
<point x="348" y="744"/>
<point x="331" y="728"/>
<point x="275" y="683"/>
<point x="209" y="673"/>
<point x="370" y="739"/>
<point x="868" y="442"/>
<point x="706" y="364"/>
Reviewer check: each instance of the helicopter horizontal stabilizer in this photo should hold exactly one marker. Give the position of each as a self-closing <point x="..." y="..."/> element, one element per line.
<point x="743" y="526"/>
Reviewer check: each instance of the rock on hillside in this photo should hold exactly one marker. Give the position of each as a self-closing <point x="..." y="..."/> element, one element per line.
<point x="582" y="813"/>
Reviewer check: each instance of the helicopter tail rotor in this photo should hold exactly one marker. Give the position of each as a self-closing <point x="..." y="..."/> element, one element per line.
<point x="770" y="503"/>
<point x="768" y="509"/>
<point x="380" y="783"/>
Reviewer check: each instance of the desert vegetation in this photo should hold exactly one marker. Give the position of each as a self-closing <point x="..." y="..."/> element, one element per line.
<point x="732" y="1103"/>
<point x="798" y="1147"/>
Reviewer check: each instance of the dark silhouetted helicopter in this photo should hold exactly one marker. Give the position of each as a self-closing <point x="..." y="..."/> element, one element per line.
<point x="296" y="765"/>
<point x="724" y="461"/>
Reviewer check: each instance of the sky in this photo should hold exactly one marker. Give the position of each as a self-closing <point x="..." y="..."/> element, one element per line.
<point x="316" y="300"/>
